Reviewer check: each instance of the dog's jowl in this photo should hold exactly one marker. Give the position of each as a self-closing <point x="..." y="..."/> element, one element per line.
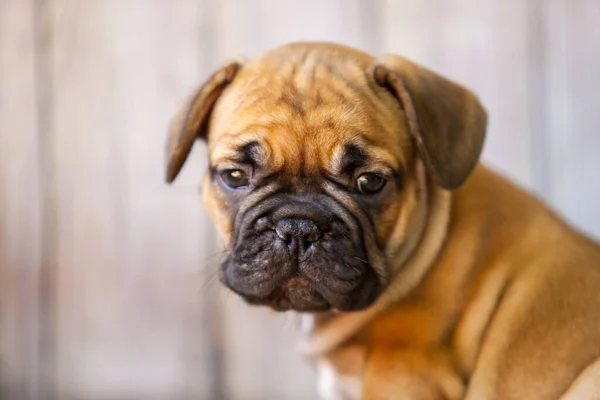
<point x="348" y="188"/>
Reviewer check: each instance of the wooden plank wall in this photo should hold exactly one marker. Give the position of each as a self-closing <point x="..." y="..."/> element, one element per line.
<point x="108" y="276"/>
<point x="20" y="202"/>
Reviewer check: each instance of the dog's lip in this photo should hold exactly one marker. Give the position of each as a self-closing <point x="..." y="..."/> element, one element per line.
<point x="292" y="295"/>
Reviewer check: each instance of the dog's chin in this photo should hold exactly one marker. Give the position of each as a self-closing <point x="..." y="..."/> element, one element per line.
<point x="294" y="294"/>
<point x="297" y="294"/>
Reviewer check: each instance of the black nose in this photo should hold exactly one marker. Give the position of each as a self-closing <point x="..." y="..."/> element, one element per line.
<point x="303" y="230"/>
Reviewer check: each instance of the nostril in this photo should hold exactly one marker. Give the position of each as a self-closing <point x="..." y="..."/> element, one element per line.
<point x="283" y="234"/>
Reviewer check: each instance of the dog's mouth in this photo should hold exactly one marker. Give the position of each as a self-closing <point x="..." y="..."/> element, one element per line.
<point x="331" y="273"/>
<point x="292" y="253"/>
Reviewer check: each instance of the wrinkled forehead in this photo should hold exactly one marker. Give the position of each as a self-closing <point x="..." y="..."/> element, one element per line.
<point x="310" y="112"/>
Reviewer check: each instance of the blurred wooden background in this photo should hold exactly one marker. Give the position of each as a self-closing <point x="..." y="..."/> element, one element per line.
<point x="107" y="275"/>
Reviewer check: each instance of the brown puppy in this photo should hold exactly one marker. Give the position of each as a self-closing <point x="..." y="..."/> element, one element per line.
<point x="347" y="187"/>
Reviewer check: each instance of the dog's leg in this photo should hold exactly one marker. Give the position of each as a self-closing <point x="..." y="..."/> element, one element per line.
<point x="395" y="373"/>
<point x="587" y="384"/>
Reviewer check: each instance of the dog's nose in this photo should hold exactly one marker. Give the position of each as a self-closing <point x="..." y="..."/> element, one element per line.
<point x="304" y="230"/>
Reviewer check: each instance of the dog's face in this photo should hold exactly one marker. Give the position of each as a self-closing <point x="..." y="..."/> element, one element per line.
<point x="312" y="180"/>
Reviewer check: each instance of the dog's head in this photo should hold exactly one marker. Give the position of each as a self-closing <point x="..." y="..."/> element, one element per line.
<point x="313" y="151"/>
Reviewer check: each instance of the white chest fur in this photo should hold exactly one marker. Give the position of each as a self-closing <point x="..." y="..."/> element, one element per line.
<point x="340" y="375"/>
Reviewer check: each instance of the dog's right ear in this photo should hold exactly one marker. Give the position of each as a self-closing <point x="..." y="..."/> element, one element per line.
<point x="192" y="120"/>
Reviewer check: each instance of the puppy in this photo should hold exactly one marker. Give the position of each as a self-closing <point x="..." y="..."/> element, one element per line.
<point x="348" y="188"/>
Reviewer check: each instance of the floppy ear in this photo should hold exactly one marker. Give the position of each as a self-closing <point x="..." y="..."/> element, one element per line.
<point x="446" y="121"/>
<point x="191" y="121"/>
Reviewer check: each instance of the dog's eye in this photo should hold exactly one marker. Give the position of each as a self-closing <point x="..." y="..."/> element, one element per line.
<point x="370" y="183"/>
<point x="235" y="178"/>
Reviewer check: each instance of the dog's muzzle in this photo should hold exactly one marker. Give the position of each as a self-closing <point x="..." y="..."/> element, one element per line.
<point x="294" y="252"/>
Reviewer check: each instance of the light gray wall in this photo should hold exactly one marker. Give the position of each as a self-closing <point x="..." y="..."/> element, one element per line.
<point x="108" y="276"/>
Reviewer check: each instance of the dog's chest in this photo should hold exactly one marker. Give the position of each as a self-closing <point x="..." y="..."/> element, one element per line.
<point x="340" y="375"/>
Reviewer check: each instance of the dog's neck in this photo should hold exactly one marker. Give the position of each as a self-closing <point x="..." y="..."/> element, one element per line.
<point x="325" y="332"/>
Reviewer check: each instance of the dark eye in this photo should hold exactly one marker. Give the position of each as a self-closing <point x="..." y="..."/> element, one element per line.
<point x="235" y="178"/>
<point x="370" y="183"/>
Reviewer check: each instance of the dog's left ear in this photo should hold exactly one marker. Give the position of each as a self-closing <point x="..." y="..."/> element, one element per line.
<point x="446" y="121"/>
<point x="191" y="121"/>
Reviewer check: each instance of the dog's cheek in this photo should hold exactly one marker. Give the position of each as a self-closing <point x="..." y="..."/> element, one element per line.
<point x="395" y="213"/>
<point x="389" y="218"/>
<point x="217" y="210"/>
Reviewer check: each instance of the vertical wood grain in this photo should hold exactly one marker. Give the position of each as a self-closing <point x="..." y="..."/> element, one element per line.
<point x="20" y="207"/>
<point x="573" y="130"/>
<point x="253" y="26"/>
<point x="130" y="249"/>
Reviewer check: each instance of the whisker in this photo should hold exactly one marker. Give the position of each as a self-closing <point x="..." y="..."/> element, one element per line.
<point x="225" y="251"/>
<point x="227" y="297"/>
<point x="211" y="280"/>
